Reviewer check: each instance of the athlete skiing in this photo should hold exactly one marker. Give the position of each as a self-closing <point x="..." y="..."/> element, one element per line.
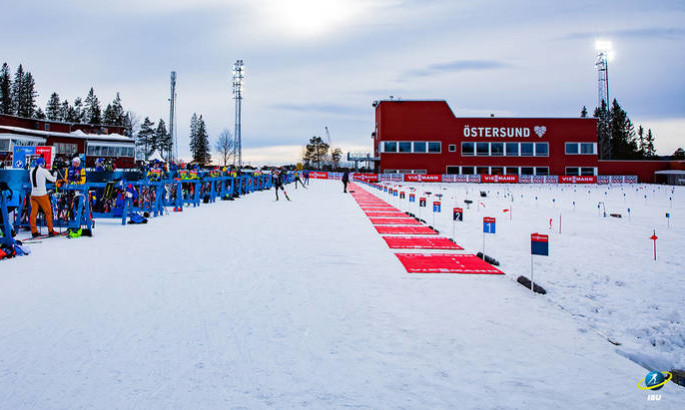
<point x="39" y="196"/>
<point x="279" y="177"/>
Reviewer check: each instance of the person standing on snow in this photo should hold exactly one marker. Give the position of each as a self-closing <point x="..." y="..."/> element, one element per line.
<point x="39" y="197"/>
<point x="345" y="180"/>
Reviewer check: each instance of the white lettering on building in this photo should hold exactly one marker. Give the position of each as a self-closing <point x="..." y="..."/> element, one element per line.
<point x="497" y="132"/>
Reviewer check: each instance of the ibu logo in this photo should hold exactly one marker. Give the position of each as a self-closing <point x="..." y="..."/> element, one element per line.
<point x="540" y="130"/>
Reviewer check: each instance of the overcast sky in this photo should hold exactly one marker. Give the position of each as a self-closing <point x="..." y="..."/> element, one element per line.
<point x="317" y="63"/>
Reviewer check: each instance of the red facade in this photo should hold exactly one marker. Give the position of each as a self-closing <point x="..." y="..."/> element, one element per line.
<point x="486" y="146"/>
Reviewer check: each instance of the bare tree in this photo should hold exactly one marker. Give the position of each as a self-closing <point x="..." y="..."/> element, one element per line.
<point x="336" y="156"/>
<point x="224" y="146"/>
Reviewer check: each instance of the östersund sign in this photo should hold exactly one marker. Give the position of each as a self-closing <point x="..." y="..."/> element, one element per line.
<point x="504" y="132"/>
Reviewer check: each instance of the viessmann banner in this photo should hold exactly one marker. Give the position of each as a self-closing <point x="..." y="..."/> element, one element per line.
<point x="501" y="179"/>
<point x="568" y="179"/>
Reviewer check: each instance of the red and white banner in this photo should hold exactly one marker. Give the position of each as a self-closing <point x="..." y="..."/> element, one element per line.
<point x="502" y="179"/>
<point x="46" y="153"/>
<point x="570" y="179"/>
<point x="318" y="175"/>
<point x="411" y="178"/>
<point x="431" y="178"/>
<point x="366" y="177"/>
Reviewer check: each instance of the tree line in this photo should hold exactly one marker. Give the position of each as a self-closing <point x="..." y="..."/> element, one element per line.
<point x="618" y="138"/>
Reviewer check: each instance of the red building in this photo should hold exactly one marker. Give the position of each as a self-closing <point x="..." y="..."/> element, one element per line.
<point x="425" y="137"/>
<point x="67" y="140"/>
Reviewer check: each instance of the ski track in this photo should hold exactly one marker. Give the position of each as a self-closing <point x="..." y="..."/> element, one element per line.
<point x="260" y="304"/>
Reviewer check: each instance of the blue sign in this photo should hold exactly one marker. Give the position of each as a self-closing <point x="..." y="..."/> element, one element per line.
<point x="436" y="206"/>
<point x="412" y="198"/>
<point x="19" y="156"/>
<point x="539" y="244"/>
<point x="489" y="225"/>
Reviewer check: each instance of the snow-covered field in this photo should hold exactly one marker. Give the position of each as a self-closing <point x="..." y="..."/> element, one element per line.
<point x="262" y="304"/>
<point x="600" y="269"/>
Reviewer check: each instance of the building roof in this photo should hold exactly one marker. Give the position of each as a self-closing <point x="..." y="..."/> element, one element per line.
<point x="75" y="134"/>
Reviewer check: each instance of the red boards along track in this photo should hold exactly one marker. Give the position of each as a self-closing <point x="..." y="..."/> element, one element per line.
<point x="446" y="263"/>
<point x="404" y="230"/>
<point x="425" y="242"/>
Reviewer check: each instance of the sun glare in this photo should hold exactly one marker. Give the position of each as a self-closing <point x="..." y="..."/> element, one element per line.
<point x="308" y="18"/>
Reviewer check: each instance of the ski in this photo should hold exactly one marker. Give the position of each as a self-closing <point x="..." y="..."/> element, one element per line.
<point x="41" y="237"/>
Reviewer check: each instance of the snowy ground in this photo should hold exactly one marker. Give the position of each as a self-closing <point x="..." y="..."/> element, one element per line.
<point x="601" y="270"/>
<point x="262" y="304"/>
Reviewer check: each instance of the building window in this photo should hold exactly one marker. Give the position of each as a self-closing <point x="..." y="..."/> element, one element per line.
<point x="573" y="171"/>
<point x="541" y="171"/>
<point x="571" y="148"/>
<point x="467" y="170"/>
<point x="389" y="146"/>
<point x="527" y="150"/>
<point x="587" y="171"/>
<point x="512" y="149"/>
<point x="452" y="148"/>
<point x="434" y="147"/>
<point x="47" y="127"/>
<point x="452" y="170"/>
<point x="482" y="148"/>
<point x="587" y="148"/>
<point x="65" y="149"/>
<point x="497" y="170"/>
<point x="483" y="170"/>
<point x="497" y="149"/>
<point x="541" y="149"/>
<point x="467" y="148"/>
<point x="527" y="170"/>
<point x="512" y="170"/>
<point x="405" y="146"/>
<point x="419" y="147"/>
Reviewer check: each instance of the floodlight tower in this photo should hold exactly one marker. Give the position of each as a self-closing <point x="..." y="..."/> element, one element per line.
<point x="238" y="77"/>
<point x="603" y="53"/>
<point x="173" y="150"/>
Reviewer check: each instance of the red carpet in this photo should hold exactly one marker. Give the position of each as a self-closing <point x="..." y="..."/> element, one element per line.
<point x="446" y="263"/>
<point x="404" y="230"/>
<point x="394" y="221"/>
<point x="408" y="242"/>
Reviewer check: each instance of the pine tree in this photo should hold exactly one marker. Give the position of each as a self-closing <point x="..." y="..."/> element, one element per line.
<point x="583" y="112"/>
<point x="145" y="140"/>
<point x="199" y="141"/>
<point x="79" y="111"/>
<point x="603" y="131"/>
<point x="641" y="141"/>
<point x="162" y="139"/>
<point x="316" y="152"/>
<point x="623" y="144"/>
<point x="18" y="91"/>
<point x="53" y="108"/>
<point x="6" y="105"/>
<point x="678" y="154"/>
<point x="40" y="115"/>
<point x="30" y="96"/>
<point x="650" y="151"/>
<point x="92" y="110"/>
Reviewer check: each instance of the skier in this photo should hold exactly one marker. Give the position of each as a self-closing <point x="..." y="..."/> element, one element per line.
<point x="278" y="177"/>
<point x="39" y="196"/>
<point x="306" y="178"/>
<point x="99" y="165"/>
<point x="345" y="180"/>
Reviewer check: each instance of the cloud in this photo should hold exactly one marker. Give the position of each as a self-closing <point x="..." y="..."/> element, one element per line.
<point x="641" y="33"/>
<point x="459" y="66"/>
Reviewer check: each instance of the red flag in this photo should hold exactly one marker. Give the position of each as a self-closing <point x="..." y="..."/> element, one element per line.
<point x="482" y="204"/>
<point x="505" y="210"/>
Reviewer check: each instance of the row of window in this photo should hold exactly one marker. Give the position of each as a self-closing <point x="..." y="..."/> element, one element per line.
<point x="408" y="147"/>
<point x="581" y="148"/>
<point x="487" y="149"/>
<point x="65" y="149"/>
<point x="509" y="149"/>
<point x="455" y="170"/>
<point x="581" y="171"/>
<point x="110" y="151"/>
